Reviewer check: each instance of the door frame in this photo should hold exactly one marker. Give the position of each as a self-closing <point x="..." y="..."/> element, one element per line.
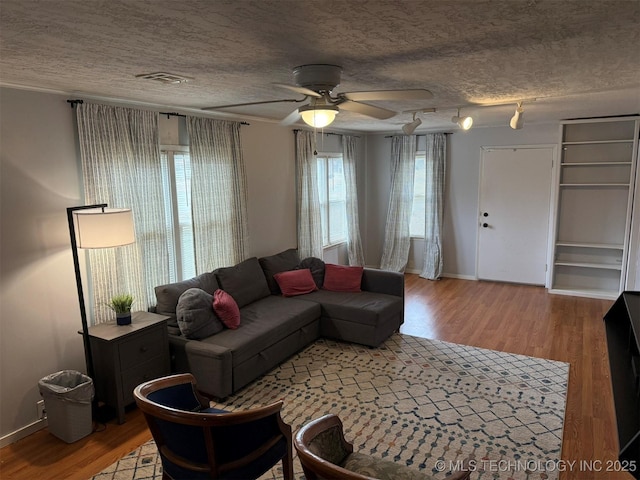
<point x="553" y="193"/>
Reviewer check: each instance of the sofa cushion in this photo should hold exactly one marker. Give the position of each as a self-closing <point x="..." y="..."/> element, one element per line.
<point x="245" y="281"/>
<point x="195" y="315"/>
<point x="295" y="282"/>
<point x="383" y="469"/>
<point x="340" y="278"/>
<point x="226" y="308"/>
<point x="281" y="262"/>
<point x="362" y="307"/>
<point x="264" y="323"/>
<point x="329" y="445"/>
<point x="316" y="266"/>
<point x="167" y="296"/>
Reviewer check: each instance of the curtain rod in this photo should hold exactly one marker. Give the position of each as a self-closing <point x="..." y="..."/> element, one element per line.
<point x="73" y="104"/>
<point x="176" y="114"/>
<point x="172" y="114"/>
<point x="422" y="134"/>
<point x="328" y="133"/>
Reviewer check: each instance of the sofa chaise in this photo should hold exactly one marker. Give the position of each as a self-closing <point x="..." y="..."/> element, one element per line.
<point x="272" y="326"/>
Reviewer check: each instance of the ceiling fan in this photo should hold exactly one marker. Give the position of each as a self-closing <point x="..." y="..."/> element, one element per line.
<point x="316" y="82"/>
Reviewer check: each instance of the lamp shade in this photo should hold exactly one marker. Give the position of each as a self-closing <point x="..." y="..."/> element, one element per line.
<point x="98" y="228"/>
<point x="318" y="117"/>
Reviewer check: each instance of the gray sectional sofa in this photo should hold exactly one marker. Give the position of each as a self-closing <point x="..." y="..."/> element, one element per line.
<point x="274" y="327"/>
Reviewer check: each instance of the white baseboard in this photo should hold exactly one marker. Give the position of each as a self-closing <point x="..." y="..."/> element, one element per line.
<point x="447" y="275"/>
<point x="461" y="277"/>
<point x="23" y="432"/>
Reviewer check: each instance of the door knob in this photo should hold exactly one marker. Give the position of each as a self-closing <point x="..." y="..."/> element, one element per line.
<point x="485" y="225"/>
<point x="485" y="214"/>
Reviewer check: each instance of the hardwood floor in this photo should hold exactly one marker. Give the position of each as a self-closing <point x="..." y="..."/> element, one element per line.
<point x="511" y="318"/>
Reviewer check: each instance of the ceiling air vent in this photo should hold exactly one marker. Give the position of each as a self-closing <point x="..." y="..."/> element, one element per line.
<point x="164" y="77"/>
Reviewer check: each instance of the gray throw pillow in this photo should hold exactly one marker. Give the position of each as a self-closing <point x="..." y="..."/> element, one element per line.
<point x="316" y="266"/>
<point x="281" y="262"/>
<point x="167" y="295"/>
<point x="245" y="282"/>
<point x="196" y="318"/>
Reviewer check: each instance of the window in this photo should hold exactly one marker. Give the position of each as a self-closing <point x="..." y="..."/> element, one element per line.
<point x="176" y="183"/>
<point x="417" y="227"/>
<point x="333" y="195"/>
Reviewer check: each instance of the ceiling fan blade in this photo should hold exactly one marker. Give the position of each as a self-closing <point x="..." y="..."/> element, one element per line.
<point x="302" y="90"/>
<point x="366" y="109"/>
<point x="220" y="107"/>
<point x="417" y="94"/>
<point x="292" y="118"/>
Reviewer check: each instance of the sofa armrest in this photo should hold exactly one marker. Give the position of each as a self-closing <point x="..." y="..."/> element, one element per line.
<point x="383" y="281"/>
<point x="212" y="367"/>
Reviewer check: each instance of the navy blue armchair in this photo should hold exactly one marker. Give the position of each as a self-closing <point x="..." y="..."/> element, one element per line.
<point x="199" y="442"/>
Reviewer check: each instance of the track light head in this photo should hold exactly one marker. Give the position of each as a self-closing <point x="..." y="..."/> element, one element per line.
<point x="464" y="123"/>
<point x="517" y="121"/>
<point x="410" y="127"/>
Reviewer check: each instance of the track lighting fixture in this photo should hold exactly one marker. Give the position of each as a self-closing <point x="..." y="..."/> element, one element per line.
<point x="410" y="127"/>
<point x="517" y="121"/>
<point x="463" y="122"/>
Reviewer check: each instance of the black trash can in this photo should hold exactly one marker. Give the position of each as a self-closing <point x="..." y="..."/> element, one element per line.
<point x="67" y="399"/>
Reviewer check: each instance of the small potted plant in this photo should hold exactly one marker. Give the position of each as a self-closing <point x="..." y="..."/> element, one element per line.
<point x="121" y="304"/>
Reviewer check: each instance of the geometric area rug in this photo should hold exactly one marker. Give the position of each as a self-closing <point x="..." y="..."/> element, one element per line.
<point x="427" y="404"/>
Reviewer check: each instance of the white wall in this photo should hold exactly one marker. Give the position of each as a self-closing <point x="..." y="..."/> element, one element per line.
<point x="377" y="185"/>
<point x="461" y="192"/>
<point x="39" y="314"/>
<point x="270" y="165"/>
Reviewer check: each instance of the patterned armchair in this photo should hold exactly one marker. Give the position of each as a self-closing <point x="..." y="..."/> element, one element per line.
<point x="325" y="454"/>
<point x="199" y="442"/>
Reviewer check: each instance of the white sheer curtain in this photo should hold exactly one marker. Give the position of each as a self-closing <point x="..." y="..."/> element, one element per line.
<point x="218" y="193"/>
<point x="397" y="239"/>
<point x="435" y="162"/>
<point x="121" y="167"/>
<point x="354" y="244"/>
<point x="309" y="219"/>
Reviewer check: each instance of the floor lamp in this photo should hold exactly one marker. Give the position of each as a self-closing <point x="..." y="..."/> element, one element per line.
<point x="96" y="226"/>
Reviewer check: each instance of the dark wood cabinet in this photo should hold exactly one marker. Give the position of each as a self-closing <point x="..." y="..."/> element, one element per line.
<point x="124" y="356"/>
<point x="622" y="323"/>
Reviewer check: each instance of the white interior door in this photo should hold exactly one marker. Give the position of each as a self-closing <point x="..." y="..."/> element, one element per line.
<point x="515" y="196"/>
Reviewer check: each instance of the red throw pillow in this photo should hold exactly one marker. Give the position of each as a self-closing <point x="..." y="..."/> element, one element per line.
<point x="226" y="308"/>
<point x="295" y="282"/>
<point x="340" y="278"/>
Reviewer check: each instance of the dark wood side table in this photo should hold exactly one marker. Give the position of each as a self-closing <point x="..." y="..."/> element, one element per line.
<point x="622" y="323"/>
<point x="124" y="356"/>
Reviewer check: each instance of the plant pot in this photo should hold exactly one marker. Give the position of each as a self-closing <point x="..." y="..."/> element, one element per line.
<point x="123" y="318"/>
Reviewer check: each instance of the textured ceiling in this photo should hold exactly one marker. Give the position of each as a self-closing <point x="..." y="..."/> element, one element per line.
<point x="577" y="58"/>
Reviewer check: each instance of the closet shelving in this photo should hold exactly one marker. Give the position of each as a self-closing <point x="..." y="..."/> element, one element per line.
<point x="594" y="201"/>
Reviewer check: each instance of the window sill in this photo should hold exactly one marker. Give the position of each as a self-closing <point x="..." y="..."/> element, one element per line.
<point x="334" y="245"/>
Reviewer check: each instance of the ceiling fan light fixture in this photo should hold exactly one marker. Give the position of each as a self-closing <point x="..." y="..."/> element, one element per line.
<point x="410" y="127"/>
<point x="318" y="117"/>
<point x="464" y="123"/>
<point x="517" y="121"/>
